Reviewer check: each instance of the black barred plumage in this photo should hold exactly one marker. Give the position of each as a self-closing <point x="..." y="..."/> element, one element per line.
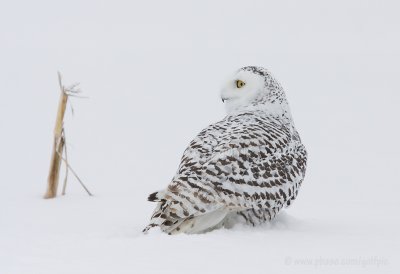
<point x="246" y="167"/>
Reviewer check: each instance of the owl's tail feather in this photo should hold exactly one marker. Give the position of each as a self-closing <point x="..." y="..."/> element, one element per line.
<point x="176" y="214"/>
<point x="157" y="196"/>
<point x="163" y="216"/>
<point x="164" y="219"/>
<point x="167" y="217"/>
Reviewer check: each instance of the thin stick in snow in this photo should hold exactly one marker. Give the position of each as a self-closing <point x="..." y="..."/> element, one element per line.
<point x="67" y="169"/>
<point x="76" y="176"/>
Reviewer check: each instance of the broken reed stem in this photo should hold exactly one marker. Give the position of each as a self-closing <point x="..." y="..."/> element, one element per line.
<point x="58" y="145"/>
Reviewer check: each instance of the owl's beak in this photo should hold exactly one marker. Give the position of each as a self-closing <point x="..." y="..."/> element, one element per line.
<point x="223" y="99"/>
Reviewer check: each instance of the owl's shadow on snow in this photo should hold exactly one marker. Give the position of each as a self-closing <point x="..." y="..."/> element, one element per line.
<point x="283" y="221"/>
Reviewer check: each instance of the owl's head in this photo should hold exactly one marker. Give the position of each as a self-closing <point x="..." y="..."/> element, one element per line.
<point x="252" y="88"/>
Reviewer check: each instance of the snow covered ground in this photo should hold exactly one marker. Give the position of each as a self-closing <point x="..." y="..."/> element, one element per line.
<point x="153" y="71"/>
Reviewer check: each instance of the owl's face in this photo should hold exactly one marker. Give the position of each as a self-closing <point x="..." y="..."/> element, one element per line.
<point x="241" y="89"/>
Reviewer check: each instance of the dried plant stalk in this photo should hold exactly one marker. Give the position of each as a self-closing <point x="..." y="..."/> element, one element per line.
<point x="58" y="146"/>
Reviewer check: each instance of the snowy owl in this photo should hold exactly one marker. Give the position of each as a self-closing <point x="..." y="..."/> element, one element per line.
<point x="244" y="168"/>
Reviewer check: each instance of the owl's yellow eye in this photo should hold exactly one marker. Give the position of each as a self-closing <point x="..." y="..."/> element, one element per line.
<point x="240" y="84"/>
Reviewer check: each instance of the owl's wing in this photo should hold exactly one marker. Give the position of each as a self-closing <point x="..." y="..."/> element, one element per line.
<point x="244" y="162"/>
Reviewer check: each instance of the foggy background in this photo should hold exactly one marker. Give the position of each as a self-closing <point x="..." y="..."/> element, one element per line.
<point x="152" y="71"/>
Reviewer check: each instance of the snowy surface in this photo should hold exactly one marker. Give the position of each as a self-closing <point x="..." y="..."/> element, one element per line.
<point x="153" y="71"/>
